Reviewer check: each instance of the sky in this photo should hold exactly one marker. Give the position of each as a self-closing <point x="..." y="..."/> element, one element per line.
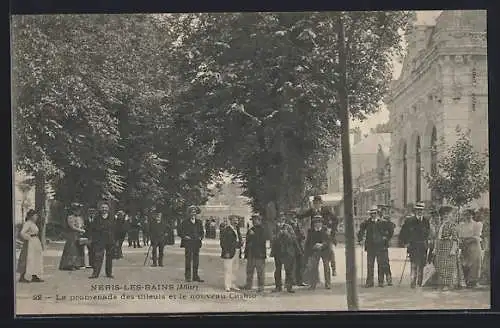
<point x="427" y="17"/>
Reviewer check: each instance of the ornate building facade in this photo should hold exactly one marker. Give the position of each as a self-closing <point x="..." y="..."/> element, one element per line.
<point x="442" y="86"/>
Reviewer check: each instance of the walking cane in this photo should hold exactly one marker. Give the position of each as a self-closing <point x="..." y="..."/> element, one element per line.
<point x="147" y="255"/>
<point x="362" y="265"/>
<point x="403" y="272"/>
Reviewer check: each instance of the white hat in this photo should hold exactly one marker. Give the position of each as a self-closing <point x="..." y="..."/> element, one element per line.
<point x="419" y="206"/>
<point x="374" y="209"/>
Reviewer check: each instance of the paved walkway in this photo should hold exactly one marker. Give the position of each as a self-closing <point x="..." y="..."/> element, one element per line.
<point x="81" y="293"/>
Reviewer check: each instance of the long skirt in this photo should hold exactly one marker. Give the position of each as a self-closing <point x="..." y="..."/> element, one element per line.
<point x="471" y="260"/>
<point x="446" y="264"/>
<point x="30" y="261"/>
<point x="72" y="256"/>
<point x="485" y="270"/>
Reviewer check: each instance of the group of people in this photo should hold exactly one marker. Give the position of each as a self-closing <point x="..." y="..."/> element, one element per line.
<point x="453" y="248"/>
<point x="299" y="242"/>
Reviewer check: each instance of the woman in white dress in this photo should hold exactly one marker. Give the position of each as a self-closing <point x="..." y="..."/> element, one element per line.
<point x="30" y="263"/>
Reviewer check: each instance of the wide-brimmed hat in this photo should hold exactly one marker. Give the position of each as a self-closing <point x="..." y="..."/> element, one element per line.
<point x="76" y="205"/>
<point x="446" y="209"/>
<point x="419" y="206"/>
<point x="316" y="219"/>
<point x="255" y="217"/>
<point x="374" y="209"/>
<point x="195" y="208"/>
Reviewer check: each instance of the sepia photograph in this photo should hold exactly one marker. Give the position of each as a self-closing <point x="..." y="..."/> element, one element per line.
<point x="260" y="162"/>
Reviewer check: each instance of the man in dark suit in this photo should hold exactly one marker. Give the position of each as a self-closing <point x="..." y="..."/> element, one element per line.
<point x="121" y="232"/>
<point x="372" y="231"/>
<point x="317" y="247"/>
<point x="158" y="231"/>
<point x="191" y="233"/>
<point x="389" y="226"/>
<point x="230" y="242"/>
<point x="103" y="234"/>
<point x="87" y="227"/>
<point x="284" y="249"/>
<point x="255" y="253"/>
<point x="300" y="263"/>
<point x="415" y="234"/>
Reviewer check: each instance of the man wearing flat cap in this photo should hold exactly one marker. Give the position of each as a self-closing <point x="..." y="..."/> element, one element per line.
<point x="255" y="253"/>
<point x="373" y="232"/>
<point x="316" y="249"/>
<point x="284" y="248"/>
<point x="330" y="221"/>
<point x="389" y="227"/>
<point x="415" y="234"/>
<point x="192" y="233"/>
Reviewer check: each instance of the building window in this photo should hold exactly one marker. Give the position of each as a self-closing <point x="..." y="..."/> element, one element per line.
<point x="433" y="159"/>
<point x="355" y="204"/>
<point x="405" y="177"/>
<point x="418" y="171"/>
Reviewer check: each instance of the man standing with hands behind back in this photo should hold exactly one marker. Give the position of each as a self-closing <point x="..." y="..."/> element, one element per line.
<point x="191" y="233"/>
<point x="102" y="232"/>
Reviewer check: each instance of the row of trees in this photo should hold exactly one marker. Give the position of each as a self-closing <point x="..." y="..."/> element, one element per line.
<point x="150" y="108"/>
<point x="147" y="110"/>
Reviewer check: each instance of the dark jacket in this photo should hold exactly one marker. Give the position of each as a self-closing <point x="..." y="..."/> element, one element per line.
<point x="299" y="235"/>
<point x="194" y="231"/>
<point x="103" y="231"/>
<point x="230" y="241"/>
<point x="256" y="243"/>
<point x="284" y="244"/>
<point x="157" y="231"/>
<point x="325" y="212"/>
<point x="375" y="234"/>
<point x="314" y="237"/>
<point x="415" y="233"/>
<point x="389" y="228"/>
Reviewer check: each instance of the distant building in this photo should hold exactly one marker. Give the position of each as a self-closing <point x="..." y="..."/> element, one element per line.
<point x="370" y="173"/>
<point x="228" y="201"/>
<point x="443" y="84"/>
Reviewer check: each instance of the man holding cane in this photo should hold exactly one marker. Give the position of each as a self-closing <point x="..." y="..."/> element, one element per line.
<point x="157" y="234"/>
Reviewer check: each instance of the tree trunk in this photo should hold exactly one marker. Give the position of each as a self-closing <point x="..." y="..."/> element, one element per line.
<point x="350" y="250"/>
<point x="40" y="201"/>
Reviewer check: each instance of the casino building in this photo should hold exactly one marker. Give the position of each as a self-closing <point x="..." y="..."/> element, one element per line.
<point x="443" y="85"/>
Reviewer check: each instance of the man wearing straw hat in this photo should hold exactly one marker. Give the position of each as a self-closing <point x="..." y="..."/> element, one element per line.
<point x="415" y="234"/>
<point x="372" y="231"/>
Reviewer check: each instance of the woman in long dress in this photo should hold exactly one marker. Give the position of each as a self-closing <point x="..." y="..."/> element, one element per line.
<point x="30" y="263"/>
<point x="470" y="240"/>
<point x="72" y="258"/>
<point x="485" y="265"/>
<point x="446" y="250"/>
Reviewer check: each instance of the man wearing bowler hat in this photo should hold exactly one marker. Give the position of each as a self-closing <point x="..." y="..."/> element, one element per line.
<point x="415" y="234"/>
<point x="192" y="233"/>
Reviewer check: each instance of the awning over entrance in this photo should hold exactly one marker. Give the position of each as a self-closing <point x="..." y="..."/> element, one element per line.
<point x="330" y="199"/>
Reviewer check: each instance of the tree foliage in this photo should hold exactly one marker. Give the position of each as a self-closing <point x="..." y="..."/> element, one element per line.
<point x="264" y="88"/>
<point x="462" y="175"/>
<point x="149" y="109"/>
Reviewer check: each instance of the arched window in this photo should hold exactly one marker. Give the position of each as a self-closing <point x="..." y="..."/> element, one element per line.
<point x="405" y="176"/>
<point x="433" y="159"/>
<point x="418" y="166"/>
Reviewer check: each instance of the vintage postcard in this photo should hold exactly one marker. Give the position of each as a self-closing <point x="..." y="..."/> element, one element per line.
<point x="250" y="162"/>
